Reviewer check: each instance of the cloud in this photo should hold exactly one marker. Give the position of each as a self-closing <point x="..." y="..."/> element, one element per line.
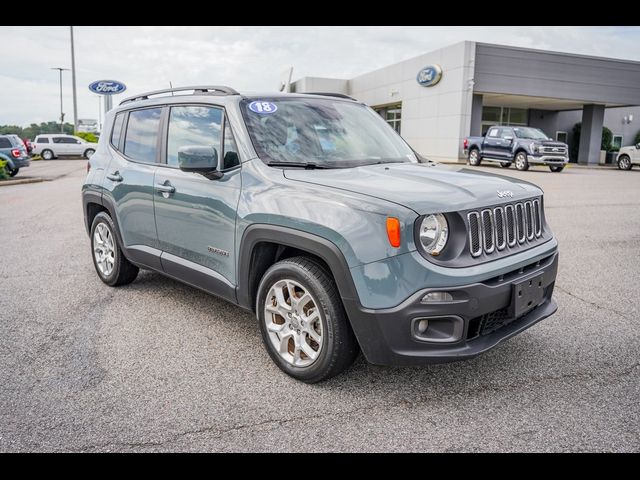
<point x="247" y="58"/>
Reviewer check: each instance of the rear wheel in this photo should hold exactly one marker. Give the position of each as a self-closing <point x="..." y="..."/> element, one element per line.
<point x="474" y="157"/>
<point x="521" y="161"/>
<point x="12" y="172"/>
<point x="47" y="155"/>
<point x="111" y="265"/>
<point x="624" y="162"/>
<point x="505" y="164"/>
<point x="303" y="323"/>
<point x="556" y="168"/>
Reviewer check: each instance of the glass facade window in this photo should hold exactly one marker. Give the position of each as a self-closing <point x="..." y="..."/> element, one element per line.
<point x="507" y="116"/>
<point x="617" y="142"/>
<point x="392" y="115"/>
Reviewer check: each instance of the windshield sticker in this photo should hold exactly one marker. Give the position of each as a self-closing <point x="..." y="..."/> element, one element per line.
<point x="263" y="108"/>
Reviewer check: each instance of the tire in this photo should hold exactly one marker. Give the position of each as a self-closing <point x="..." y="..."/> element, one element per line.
<point x="521" y="161"/>
<point x="474" y="157"/>
<point x="337" y="347"/>
<point x="556" y="169"/>
<point x="88" y="153"/>
<point x="505" y="164"/>
<point x="624" y="162"/>
<point x="122" y="271"/>
<point x="11" y="172"/>
<point x="47" y="154"/>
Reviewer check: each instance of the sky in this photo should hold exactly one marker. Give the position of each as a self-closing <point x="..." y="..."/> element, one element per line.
<point x="245" y="58"/>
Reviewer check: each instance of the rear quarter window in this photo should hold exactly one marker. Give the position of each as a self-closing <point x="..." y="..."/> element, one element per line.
<point x="41" y="140"/>
<point x="5" y="142"/>
<point x="116" y="133"/>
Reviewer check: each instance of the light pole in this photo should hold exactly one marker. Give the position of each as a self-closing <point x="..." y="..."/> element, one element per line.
<point x="73" y="83"/>
<point x="60" y="69"/>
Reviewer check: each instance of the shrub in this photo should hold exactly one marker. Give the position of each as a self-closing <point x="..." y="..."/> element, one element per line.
<point x="89" y="137"/>
<point x="3" y="172"/>
<point x="605" y="144"/>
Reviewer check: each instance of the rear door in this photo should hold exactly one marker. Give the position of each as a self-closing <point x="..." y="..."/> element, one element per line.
<point x="196" y="219"/>
<point x="491" y="143"/>
<point x="128" y="183"/>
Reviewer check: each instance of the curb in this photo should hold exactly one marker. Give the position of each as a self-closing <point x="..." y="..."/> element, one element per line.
<point x="21" y="181"/>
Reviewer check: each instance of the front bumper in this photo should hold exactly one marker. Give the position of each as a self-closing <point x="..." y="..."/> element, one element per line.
<point x="388" y="336"/>
<point x="548" y="159"/>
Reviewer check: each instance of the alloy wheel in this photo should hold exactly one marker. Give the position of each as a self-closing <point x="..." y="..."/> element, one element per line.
<point x="104" y="249"/>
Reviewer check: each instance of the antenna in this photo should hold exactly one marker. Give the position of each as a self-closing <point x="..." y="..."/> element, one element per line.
<point x="171" y="85"/>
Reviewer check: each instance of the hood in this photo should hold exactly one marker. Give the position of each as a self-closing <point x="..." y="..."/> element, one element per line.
<point x="424" y="188"/>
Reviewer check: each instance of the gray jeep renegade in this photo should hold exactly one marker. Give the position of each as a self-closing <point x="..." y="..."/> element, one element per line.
<point x="310" y="211"/>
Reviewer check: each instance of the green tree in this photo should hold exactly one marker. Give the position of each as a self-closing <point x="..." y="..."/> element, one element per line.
<point x="605" y="143"/>
<point x="36" y="129"/>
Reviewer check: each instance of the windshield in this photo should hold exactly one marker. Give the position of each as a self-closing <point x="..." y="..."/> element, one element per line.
<point x="321" y="132"/>
<point x="530" y="133"/>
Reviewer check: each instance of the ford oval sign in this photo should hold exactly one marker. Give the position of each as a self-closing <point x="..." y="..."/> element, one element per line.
<point x="107" y="87"/>
<point x="429" y="75"/>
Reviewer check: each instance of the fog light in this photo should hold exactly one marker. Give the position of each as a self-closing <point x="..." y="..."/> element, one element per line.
<point x="433" y="297"/>
<point x="423" y="325"/>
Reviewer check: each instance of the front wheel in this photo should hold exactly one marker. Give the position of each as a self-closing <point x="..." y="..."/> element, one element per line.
<point x="474" y="157"/>
<point x="556" y="168"/>
<point x="111" y="265"/>
<point x="624" y="162"/>
<point x="303" y="323"/>
<point x="521" y="161"/>
<point x="505" y="164"/>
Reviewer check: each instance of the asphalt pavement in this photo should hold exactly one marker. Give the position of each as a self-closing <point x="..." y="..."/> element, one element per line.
<point x="159" y="366"/>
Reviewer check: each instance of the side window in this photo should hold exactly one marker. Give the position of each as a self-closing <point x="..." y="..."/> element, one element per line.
<point x="58" y="140"/>
<point x="141" y="138"/>
<point x="117" y="130"/>
<point x="231" y="158"/>
<point x="5" y="142"/>
<point x="506" y="132"/>
<point x="193" y="126"/>
<point x="493" y="132"/>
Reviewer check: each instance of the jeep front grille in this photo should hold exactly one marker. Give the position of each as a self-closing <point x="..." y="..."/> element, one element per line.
<point x="504" y="226"/>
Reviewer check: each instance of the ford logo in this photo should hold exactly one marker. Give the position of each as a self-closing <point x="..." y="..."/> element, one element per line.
<point x="429" y="75"/>
<point x="107" y="87"/>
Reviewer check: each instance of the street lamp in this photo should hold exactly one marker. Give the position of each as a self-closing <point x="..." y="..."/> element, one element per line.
<point x="61" y="112"/>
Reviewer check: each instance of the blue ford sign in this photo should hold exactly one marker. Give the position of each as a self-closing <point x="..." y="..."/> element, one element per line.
<point x="107" y="87"/>
<point x="429" y="75"/>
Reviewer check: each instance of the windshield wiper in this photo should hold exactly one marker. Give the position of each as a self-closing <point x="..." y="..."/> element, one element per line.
<point x="306" y="165"/>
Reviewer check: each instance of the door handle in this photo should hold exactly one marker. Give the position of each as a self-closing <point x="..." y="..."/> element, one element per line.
<point x="115" y="176"/>
<point x="165" y="188"/>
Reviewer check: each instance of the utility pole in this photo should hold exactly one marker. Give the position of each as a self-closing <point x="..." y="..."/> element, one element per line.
<point x="73" y="82"/>
<point x="60" y="69"/>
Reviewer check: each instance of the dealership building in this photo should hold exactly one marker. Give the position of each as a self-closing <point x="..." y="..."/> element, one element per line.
<point x="437" y="99"/>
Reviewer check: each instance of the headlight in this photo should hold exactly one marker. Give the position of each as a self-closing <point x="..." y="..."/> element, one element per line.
<point x="434" y="232"/>
<point x="533" y="147"/>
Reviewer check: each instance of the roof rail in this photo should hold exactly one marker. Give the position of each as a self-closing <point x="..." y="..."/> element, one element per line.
<point x="329" y="94"/>
<point x="213" y="89"/>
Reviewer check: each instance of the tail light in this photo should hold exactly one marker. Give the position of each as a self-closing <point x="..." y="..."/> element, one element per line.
<point x="15" y="153"/>
<point x="465" y="144"/>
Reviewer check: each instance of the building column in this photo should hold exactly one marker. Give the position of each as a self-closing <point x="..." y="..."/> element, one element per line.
<point x="591" y="134"/>
<point x="476" y="115"/>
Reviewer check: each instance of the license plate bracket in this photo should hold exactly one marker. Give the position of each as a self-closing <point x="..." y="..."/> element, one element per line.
<point x="526" y="295"/>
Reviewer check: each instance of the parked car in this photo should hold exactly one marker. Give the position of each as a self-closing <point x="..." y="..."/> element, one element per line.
<point x="53" y="145"/>
<point x="628" y="157"/>
<point x="313" y="213"/>
<point x="15" y="154"/>
<point x="523" y="146"/>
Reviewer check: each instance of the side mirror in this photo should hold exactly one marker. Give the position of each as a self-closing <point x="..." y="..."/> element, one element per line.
<point x="199" y="159"/>
<point x="638" y="146"/>
<point x="508" y="138"/>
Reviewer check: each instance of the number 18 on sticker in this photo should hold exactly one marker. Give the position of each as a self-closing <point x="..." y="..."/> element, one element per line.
<point x="263" y="108"/>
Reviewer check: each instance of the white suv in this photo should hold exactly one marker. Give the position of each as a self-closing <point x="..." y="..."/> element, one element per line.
<point x="57" y="144"/>
<point x="628" y="157"/>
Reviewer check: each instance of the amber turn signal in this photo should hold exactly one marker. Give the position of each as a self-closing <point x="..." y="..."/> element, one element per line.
<point x="393" y="231"/>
